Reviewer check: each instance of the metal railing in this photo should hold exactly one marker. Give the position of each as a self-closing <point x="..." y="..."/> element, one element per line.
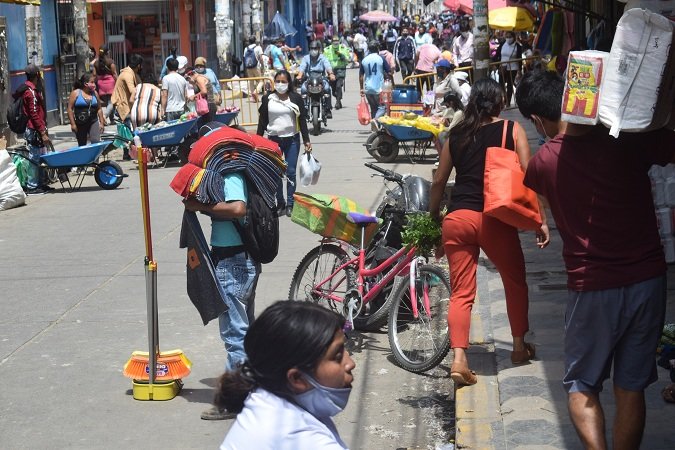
<point x="498" y="71"/>
<point x="246" y="94"/>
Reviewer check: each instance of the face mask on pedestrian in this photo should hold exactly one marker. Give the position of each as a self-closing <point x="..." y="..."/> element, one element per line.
<point x="201" y="70"/>
<point x="313" y="53"/>
<point x="323" y="401"/>
<point x="336" y="45"/>
<point x="91" y="86"/>
<point x="465" y="34"/>
<point x="509" y="40"/>
<point x="281" y="88"/>
<point x="542" y="131"/>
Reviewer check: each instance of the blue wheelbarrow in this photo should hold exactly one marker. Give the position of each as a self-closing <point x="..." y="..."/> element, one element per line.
<point x="172" y="140"/>
<point x="384" y="142"/>
<point x="107" y="174"/>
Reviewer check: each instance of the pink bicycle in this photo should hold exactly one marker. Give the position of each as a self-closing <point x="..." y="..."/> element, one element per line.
<point x="417" y="305"/>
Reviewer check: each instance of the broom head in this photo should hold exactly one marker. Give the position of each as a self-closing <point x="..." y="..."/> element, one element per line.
<point x="171" y="365"/>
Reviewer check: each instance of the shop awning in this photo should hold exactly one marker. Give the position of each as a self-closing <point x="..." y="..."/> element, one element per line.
<point x="22" y="2"/>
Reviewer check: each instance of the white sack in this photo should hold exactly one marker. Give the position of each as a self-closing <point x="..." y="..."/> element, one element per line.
<point x="638" y="87"/>
<point x="11" y="194"/>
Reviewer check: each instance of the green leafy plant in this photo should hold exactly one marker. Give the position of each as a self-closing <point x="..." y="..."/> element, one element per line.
<point x="422" y="232"/>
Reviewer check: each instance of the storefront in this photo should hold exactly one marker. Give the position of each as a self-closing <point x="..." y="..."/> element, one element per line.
<point x="145" y="27"/>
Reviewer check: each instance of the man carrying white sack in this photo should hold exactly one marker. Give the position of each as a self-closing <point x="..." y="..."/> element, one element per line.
<point x="600" y="196"/>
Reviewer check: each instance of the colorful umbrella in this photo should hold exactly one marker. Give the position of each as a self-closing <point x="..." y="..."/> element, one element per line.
<point x="510" y="18"/>
<point x="377" y="16"/>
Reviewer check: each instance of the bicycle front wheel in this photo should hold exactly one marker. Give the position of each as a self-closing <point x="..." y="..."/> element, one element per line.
<point x="317" y="266"/>
<point x="420" y="343"/>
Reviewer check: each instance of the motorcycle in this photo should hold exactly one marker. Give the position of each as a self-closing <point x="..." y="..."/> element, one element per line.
<point x="315" y="102"/>
<point x="338" y="86"/>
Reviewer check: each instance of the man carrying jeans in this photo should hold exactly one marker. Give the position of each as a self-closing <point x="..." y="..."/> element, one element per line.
<point x="36" y="128"/>
<point x="236" y="271"/>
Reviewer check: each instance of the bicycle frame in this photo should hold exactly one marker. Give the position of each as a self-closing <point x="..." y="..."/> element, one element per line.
<point x="408" y="260"/>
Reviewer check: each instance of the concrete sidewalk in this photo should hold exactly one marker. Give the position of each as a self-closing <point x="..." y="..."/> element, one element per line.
<point x="525" y="407"/>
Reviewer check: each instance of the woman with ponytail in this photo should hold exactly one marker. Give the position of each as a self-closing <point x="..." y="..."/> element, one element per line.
<point x="466" y="230"/>
<point x="106" y="76"/>
<point x="297" y="376"/>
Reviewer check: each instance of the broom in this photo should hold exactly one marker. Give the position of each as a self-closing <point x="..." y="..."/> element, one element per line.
<point x="152" y="365"/>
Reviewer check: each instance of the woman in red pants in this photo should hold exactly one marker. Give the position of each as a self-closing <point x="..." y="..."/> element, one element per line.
<point x="466" y="230"/>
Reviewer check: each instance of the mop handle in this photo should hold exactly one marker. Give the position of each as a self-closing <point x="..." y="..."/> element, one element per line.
<point x="145" y="200"/>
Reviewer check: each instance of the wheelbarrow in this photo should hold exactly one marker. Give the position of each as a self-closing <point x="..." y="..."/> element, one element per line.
<point x="107" y="174"/>
<point x="386" y="139"/>
<point x="175" y="138"/>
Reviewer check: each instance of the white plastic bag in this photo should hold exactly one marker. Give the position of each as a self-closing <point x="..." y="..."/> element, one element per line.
<point x="11" y="194"/>
<point x="309" y="169"/>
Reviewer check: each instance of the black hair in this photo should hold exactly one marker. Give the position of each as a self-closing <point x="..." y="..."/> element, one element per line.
<point x="540" y="92"/>
<point x="251" y="40"/>
<point x="135" y="60"/>
<point x="373" y="47"/>
<point x="173" y="51"/>
<point x="172" y="64"/>
<point x="288" y="334"/>
<point x="288" y="77"/>
<point x="453" y="101"/>
<point x="315" y="44"/>
<point x="80" y="82"/>
<point x="486" y="101"/>
<point x="464" y="26"/>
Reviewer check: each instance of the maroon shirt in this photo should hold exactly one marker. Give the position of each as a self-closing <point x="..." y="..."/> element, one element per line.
<point x="601" y="200"/>
<point x="33" y="107"/>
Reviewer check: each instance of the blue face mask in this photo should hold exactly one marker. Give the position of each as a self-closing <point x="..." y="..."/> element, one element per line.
<point x="322" y="401"/>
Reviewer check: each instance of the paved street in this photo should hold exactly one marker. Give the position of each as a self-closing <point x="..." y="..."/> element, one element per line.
<point x="73" y="302"/>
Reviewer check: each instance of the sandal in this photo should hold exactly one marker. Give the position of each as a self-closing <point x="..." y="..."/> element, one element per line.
<point x="668" y="393"/>
<point x="523" y="356"/>
<point x="463" y="377"/>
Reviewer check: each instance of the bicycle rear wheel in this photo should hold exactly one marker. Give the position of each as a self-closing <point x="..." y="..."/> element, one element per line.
<point x="315" y="267"/>
<point x="419" y="344"/>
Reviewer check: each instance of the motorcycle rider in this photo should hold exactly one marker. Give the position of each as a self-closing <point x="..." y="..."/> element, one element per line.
<point x="338" y="57"/>
<point x="315" y="62"/>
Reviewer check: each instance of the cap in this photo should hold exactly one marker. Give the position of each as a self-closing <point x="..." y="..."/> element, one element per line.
<point x="182" y="62"/>
<point x="32" y="69"/>
<point x="200" y="61"/>
<point x="444" y="63"/>
<point x="462" y="75"/>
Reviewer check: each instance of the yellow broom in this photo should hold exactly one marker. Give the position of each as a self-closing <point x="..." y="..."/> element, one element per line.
<point x="153" y="366"/>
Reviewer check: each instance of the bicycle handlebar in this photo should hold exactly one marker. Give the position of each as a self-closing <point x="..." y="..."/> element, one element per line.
<point x="388" y="174"/>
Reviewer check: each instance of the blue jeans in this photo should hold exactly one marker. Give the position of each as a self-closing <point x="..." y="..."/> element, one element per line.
<point x="238" y="275"/>
<point x="290" y="147"/>
<point x="35" y="149"/>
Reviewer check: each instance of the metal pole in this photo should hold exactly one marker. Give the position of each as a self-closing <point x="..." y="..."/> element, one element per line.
<point x="481" y="40"/>
<point x="81" y="36"/>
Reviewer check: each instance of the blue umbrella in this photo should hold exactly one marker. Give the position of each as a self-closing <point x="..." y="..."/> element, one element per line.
<point x="279" y="27"/>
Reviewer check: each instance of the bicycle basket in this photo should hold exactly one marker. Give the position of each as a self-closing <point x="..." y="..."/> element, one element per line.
<point x="326" y="215"/>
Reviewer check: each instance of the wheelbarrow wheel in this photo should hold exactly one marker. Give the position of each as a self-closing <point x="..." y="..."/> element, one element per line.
<point x="383" y="148"/>
<point x="108" y="175"/>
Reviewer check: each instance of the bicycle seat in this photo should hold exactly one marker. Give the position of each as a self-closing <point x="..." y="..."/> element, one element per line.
<point x="361" y="219"/>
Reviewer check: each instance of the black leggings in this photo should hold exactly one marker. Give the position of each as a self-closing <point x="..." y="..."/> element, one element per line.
<point x="91" y="131"/>
<point x="422" y="81"/>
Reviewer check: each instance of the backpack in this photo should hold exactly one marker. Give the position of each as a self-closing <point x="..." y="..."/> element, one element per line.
<point x="260" y="231"/>
<point x="390" y="33"/>
<point x="250" y="61"/>
<point x="405" y="49"/>
<point x="16" y="117"/>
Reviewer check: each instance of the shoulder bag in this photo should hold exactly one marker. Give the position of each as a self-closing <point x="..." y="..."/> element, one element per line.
<point x="505" y="195"/>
